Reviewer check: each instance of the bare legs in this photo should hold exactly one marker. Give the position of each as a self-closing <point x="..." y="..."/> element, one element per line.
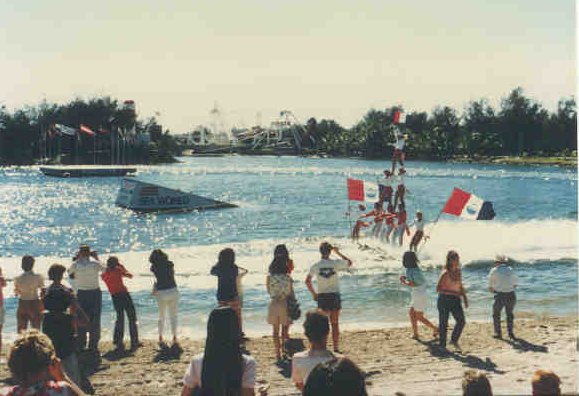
<point x="418" y="316"/>
<point x="334" y="322"/>
<point x="278" y="343"/>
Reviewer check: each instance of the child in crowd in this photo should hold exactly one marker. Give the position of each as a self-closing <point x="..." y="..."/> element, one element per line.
<point x="122" y="301"/>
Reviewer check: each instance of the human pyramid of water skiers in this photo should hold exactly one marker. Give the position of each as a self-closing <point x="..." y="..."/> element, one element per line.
<point x="390" y="225"/>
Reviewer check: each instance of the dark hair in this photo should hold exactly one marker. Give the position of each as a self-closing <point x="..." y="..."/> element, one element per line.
<point x="31" y="354"/>
<point x="410" y="260"/>
<point x="475" y="383"/>
<point x="158" y="256"/>
<point x="56" y="272"/>
<point x="378" y="205"/>
<point x="546" y="383"/>
<point x="316" y="326"/>
<point x="27" y="263"/>
<point x="325" y="248"/>
<point x="226" y="258"/>
<point x="112" y="262"/>
<point x="336" y="377"/>
<point x="222" y="361"/>
<point x="450" y="257"/>
<point x="279" y="265"/>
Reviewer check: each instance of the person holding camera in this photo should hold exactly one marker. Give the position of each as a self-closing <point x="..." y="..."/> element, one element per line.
<point x="328" y="293"/>
<point x="85" y="271"/>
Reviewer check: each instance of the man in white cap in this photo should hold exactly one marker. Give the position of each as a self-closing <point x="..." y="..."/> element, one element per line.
<point x="502" y="282"/>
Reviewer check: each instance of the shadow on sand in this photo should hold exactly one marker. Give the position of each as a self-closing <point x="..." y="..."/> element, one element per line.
<point x="471" y="361"/>
<point x="166" y="353"/>
<point x="526" y="346"/>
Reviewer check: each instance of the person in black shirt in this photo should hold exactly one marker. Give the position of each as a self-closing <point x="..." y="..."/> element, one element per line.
<point x="165" y="291"/>
<point x="59" y="325"/>
<point x="226" y="272"/>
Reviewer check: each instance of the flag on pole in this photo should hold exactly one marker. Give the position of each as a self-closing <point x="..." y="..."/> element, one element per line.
<point x="64" y="130"/>
<point x="360" y="190"/>
<point x="399" y="117"/>
<point x="86" y="130"/>
<point x="468" y="206"/>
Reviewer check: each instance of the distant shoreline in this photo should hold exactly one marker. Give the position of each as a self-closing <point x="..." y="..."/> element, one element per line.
<point x="558" y="160"/>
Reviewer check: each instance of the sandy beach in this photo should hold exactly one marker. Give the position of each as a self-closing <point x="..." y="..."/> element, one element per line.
<point x="393" y="362"/>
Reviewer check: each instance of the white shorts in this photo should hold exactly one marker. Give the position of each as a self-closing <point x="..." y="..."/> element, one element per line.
<point x="419" y="299"/>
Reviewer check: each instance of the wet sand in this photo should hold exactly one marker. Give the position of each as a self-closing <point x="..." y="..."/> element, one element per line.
<point x="392" y="360"/>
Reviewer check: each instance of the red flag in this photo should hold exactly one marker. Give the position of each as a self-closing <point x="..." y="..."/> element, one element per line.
<point x="86" y="130"/>
<point x="399" y="117"/>
<point x="456" y="202"/>
<point x="355" y="190"/>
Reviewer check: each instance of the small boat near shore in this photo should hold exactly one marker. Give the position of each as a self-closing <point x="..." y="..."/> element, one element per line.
<point x="87" y="171"/>
<point x="148" y="197"/>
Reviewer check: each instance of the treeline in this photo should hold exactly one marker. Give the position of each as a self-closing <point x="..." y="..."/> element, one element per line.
<point x="32" y="135"/>
<point x="521" y="126"/>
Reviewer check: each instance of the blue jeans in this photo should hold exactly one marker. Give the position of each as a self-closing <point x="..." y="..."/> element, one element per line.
<point x="447" y="305"/>
<point x="91" y="303"/>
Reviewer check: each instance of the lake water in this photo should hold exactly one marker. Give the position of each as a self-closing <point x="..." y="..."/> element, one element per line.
<point x="299" y="202"/>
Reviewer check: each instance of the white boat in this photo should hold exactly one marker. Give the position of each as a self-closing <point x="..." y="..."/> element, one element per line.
<point x="148" y="197"/>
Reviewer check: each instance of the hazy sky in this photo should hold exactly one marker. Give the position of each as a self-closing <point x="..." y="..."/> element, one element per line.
<point x="329" y="59"/>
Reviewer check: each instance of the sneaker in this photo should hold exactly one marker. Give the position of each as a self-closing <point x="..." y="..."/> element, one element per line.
<point x="136" y="345"/>
<point x="497" y="336"/>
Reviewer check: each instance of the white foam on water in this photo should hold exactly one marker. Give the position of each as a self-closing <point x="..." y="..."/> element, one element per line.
<point x="524" y="242"/>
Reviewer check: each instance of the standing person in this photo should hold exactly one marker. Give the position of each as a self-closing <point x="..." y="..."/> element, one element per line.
<point x="85" y="272"/>
<point x="165" y="291"/>
<point x="398" y="150"/>
<point x="317" y="329"/>
<point x="388" y="190"/>
<point x="419" y="233"/>
<point x="279" y="287"/>
<point x="400" y="188"/>
<point x="59" y="325"/>
<point x="328" y="294"/>
<point x="226" y="272"/>
<point x="27" y="286"/>
<point x="450" y="290"/>
<point x="122" y="301"/>
<point x="36" y="369"/>
<point x="415" y="280"/>
<point x="222" y="369"/>
<point x="2" y="309"/>
<point x="502" y="282"/>
<point x="401" y="226"/>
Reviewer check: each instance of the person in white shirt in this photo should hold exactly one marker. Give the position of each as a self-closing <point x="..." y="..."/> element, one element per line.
<point x="400" y="188"/>
<point x="85" y="271"/>
<point x="502" y="282"/>
<point x="27" y="286"/>
<point x="222" y="369"/>
<point x="328" y="294"/>
<point x="317" y="329"/>
<point x="419" y="233"/>
<point x="398" y="150"/>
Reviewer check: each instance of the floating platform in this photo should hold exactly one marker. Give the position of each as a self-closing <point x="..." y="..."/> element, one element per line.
<point x="87" y="171"/>
<point x="148" y="197"/>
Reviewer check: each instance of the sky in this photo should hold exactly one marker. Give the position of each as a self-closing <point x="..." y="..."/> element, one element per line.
<point x="332" y="59"/>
